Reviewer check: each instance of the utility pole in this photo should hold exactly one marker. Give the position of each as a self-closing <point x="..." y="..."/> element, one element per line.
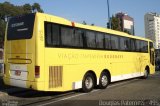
<point x="109" y="21"/>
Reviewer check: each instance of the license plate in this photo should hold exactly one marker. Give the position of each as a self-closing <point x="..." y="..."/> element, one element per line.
<point x="17" y="72"/>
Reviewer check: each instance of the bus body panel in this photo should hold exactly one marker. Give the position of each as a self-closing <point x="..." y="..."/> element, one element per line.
<point x="19" y="58"/>
<point x="80" y="61"/>
<point x="62" y="68"/>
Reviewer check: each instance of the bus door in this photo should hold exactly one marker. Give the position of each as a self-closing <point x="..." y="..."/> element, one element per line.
<point x="20" y="50"/>
<point x="152" y="56"/>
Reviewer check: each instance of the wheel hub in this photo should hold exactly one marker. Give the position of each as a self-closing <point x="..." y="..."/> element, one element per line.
<point x="89" y="82"/>
<point x="104" y="80"/>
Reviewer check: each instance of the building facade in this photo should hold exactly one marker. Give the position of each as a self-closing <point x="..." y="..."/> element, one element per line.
<point x="126" y="22"/>
<point x="152" y="28"/>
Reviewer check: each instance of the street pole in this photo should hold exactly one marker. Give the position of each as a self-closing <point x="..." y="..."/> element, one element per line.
<point x="109" y="21"/>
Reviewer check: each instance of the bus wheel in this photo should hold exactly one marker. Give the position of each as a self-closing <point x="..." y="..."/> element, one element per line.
<point x="146" y="73"/>
<point x="88" y="82"/>
<point x="104" y="80"/>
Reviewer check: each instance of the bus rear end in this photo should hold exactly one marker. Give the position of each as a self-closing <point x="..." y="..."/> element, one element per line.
<point x="20" y="52"/>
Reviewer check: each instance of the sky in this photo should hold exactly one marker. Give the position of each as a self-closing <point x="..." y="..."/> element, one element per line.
<point x="95" y="11"/>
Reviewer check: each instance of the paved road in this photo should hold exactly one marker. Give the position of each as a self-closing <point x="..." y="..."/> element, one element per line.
<point x="137" y="92"/>
<point x="131" y="92"/>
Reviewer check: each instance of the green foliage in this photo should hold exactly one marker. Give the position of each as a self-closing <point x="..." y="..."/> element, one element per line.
<point x="115" y="23"/>
<point x="27" y="8"/>
<point x="126" y="31"/>
<point x="36" y="7"/>
<point x="2" y="30"/>
<point x="84" y="23"/>
<point x="92" y="24"/>
<point x="8" y="10"/>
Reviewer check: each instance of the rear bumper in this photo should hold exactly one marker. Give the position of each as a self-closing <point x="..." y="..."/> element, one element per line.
<point x="24" y="84"/>
<point x="18" y="83"/>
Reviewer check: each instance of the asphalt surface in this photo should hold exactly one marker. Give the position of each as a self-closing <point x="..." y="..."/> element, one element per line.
<point x="133" y="92"/>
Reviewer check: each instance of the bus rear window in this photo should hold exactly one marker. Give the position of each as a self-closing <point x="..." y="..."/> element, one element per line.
<point x="21" y="27"/>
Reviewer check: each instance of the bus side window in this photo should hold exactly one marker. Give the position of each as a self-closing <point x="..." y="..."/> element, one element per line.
<point x="138" y="46"/>
<point x="78" y="38"/>
<point x="114" y="42"/>
<point x="133" y="45"/>
<point x="123" y="43"/>
<point x="52" y="35"/>
<point x="107" y="41"/>
<point x="48" y="34"/>
<point x="84" y="39"/>
<point x="100" y="40"/>
<point x="144" y="46"/>
<point x="127" y="44"/>
<point x="91" y="39"/>
<point x="67" y="36"/>
<point x="55" y="35"/>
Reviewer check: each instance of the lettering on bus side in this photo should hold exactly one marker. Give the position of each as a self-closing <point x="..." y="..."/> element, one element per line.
<point x="88" y="56"/>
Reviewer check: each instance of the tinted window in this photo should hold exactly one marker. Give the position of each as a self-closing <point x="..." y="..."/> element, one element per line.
<point x="107" y="42"/>
<point x="78" y="35"/>
<point x="52" y="34"/>
<point x="55" y="34"/>
<point x="138" y="45"/>
<point x="144" y="46"/>
<point x="124" y="43"/>
<point x="100" y="40"/>
<point x="150" y="45"/>
<point x="91" y="39"/>
<point x="133" y="45"/>
<point x="67" y="36"/>
<point x="48" y="34"/>
<point x="114" y="42"/>
<point x="21" y="27"/>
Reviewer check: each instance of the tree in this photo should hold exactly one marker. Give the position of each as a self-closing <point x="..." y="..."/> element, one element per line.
<point x="84" y="23"/>
<point x="36" y="7"/>
<point x="27" y="8"/>
<point x="126" y="31"/>
<point x="2" y="30"/>
<point x="92" y="24"/>
<point x="115" y="23"/>
<point x="8" y="10"/>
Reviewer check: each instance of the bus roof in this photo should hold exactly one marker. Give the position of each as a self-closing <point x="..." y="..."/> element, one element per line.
<point x="63" y="21"/>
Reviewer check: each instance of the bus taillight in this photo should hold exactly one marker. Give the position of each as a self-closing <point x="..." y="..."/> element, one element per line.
<point x="37" y="71"/>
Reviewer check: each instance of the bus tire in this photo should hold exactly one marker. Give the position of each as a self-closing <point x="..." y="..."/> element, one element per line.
<point x="88" y="82"/>
<point x="146" y="73"/>
<point x="104" y="80"/>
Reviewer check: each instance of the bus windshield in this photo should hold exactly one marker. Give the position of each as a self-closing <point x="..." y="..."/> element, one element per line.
<point x="20" y="27"/>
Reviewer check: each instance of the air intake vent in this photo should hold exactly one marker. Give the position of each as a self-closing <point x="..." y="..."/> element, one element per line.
<point x="55" y="76"/>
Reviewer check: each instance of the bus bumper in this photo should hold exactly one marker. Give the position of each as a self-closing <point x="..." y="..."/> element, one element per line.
<point x="35" y="85"/>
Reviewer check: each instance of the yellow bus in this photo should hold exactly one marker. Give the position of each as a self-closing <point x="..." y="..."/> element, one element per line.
<point x="49" y="53"/>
